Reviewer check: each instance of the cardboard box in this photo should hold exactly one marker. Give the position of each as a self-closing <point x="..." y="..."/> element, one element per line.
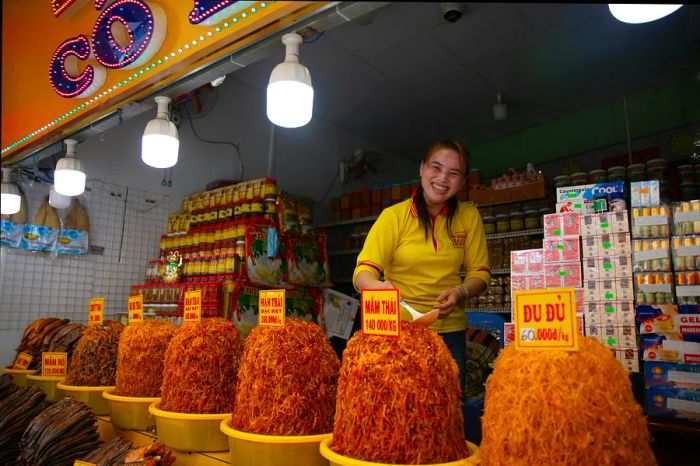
<point x="589" y="246"/>
<point x="603" y="224"/>
<point x="623" y="244"/>
<point x="673" y="402"/>
<point x="589" y="192"/>
<point x="589" y="225"/>
<point x="629" y="358"/>
<point x="620" y="221"/>
<point x="571" y="223"/>
<point x="671" y="374"/>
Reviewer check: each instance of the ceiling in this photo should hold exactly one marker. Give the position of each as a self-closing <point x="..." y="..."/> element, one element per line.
<point x="402" y="76"/>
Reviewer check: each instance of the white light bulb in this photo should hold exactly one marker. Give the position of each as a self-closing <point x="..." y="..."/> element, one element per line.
<point x="10" y="203"/>
<point x="69" y="182"/>
<point x="159" y="151"/>
<point x="641" y="13"/>
<point x="289" y="103"/>
<point x="58" y="200"/>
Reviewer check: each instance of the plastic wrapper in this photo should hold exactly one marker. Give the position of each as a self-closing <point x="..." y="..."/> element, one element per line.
<point x="264" y="266"/>
<point x="307" y="260"/>
<point x="651" y="222"/>
<point x="651" y="255"/>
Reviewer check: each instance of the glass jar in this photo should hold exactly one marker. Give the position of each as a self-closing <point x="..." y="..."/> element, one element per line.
<point x="517" y="221"/>
<point x="685" y="174"/>
<point x="579" y="178"/>
<point x="656" y="169"/>
<point x="562" y="181"/>
<point x="636" y="172"/>
<point x="532" y="219"/>
<point x="489" y="225"/>
<point x="502" y="223"/>
<point x="598" y="176"/>
<point x="617" y="173"/>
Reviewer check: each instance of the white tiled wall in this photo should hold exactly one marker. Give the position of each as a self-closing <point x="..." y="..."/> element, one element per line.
<point x="126" y="222"/>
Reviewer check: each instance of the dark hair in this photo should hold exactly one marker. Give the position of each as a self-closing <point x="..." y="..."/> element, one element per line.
<point x="421" y="207"/>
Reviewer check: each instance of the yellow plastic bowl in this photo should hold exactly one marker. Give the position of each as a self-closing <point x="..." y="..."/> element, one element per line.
<point x="189" y="432"/>
<point x="19" y="376"/>
<point x="273" y="450"/>
<point x="91" y="396"/>
<point x="48" y="384"/>
<point x="130" y="412"/>
<point x="335" y="459"/>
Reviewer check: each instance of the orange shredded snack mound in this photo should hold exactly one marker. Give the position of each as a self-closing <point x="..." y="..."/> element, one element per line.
<point x="562" y="408"/>
<point x="141" y="355"/>
<point x="94" y="359"/>
<point x="201" y="366"/>
<point x="399" y="400"/>
<point x="287" y="381"/>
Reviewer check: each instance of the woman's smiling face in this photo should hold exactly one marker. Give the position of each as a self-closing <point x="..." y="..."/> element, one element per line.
<point x="441" y="177"/>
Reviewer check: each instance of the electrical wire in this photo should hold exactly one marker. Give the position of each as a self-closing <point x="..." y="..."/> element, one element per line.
<point x="208" y="141"/>
<point x="318" y="36"/>
<point x="327" y="190"/>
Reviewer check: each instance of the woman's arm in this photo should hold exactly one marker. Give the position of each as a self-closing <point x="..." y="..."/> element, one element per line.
<point x="365" y="280"/>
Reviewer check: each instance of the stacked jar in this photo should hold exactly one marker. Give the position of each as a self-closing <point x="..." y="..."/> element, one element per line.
<point x="598" y="175"/>
<point x="579" y="178"/>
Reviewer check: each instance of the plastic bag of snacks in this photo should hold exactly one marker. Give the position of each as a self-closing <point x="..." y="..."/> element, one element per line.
<point x="307" y="261"/>
<point x="264" y="258"/>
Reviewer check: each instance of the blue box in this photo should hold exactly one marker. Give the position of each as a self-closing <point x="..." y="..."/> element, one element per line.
<point x="671" y="374"/>
<point x="673" y="402"/>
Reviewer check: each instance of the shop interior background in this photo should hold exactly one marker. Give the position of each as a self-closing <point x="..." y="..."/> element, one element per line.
<point x="390" y="81"/>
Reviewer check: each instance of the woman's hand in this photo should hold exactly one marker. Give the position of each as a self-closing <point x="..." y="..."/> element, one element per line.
<point x="447" y="302"/>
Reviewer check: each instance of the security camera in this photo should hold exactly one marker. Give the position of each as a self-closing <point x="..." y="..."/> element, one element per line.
<point x="451" y="11"/>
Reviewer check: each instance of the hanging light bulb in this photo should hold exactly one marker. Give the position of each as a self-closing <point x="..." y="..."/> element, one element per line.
<point x="640" y="13"/>
<point x="160" y="143"/>
<point x="57" y="200"/>
<point x="290" y="97"/>
<point x="69" y="176"/>
<point x="10" y="199"/>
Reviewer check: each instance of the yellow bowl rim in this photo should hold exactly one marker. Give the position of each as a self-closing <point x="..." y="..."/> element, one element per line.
<point x="240" y="435"/>
<point x="107" y="394"/>
<point x="9" y="370"/>
<point x="330" y="455"/>
<point x="154" y="409"/>
<point x="45" y="378"/>
<point x="81" y="388"/>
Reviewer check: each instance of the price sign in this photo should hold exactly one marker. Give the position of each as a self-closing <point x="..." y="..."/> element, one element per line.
<point x="271" y="308"/>
<point x="54" y="364"/>
<point x="83" y="463"/>
<point x="381" y="314"/>
<point x="545" y="319"/>
<point x="135" y="309"/>
<point x="96" y="308"/>
<point x="192" y="311"/>
<point x="22" y="361"/>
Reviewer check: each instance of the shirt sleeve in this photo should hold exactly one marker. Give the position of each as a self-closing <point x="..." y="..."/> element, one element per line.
<point x="379" y="247"/>
<point x="476" y="254"/>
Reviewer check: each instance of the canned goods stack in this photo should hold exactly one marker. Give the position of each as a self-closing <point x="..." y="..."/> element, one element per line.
<point x="669" y="333"/>
<point x="652" y="254"/>
<point x="686" y="251"/>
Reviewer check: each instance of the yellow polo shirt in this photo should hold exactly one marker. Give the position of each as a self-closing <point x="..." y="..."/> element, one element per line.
<point x="421" y="269"/>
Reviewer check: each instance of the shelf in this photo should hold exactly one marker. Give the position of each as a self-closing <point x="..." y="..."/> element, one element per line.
<point x="513" y="234"/>
<point x="342" y="280"/>
<point x="344" y="252"/>
<point x="351" y="221"/>
<point x="500" y="310"/>
<point x="500" y="272"/>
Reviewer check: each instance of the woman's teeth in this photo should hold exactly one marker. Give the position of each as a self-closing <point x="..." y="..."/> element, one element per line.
<point x="438" y="188"/>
